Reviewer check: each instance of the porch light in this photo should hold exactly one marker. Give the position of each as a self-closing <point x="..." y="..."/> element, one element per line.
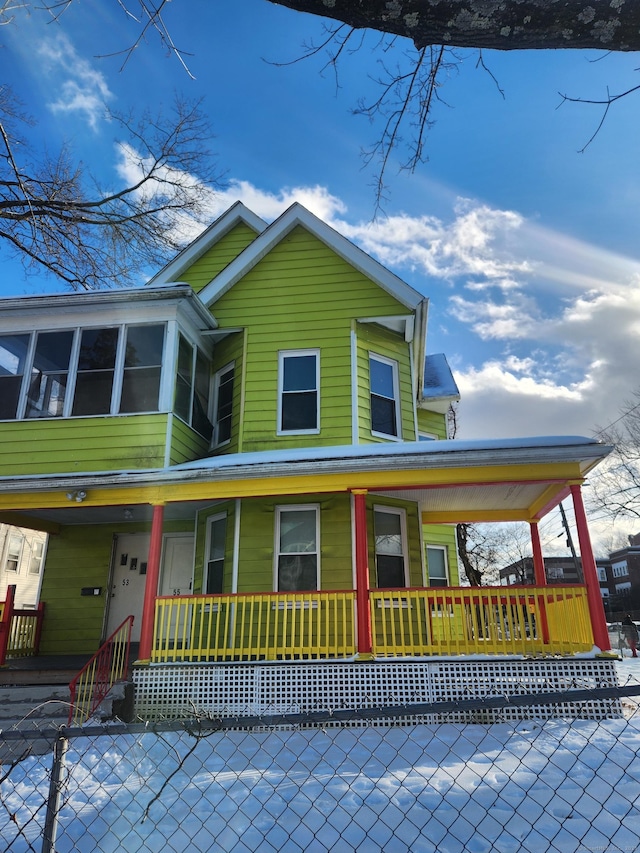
<point x="76" y="496"/>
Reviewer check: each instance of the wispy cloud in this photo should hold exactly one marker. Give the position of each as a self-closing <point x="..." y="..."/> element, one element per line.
<point x="79" y="86"/>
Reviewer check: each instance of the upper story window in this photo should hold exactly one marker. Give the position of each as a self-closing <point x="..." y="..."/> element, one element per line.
<point x="385" y="397"/>
<point x="193" y="380"/>
<point x="89" y="371"/>
<point x="620" y="570"/>
<point x="297" y="551"/>
<point x="390" y="532"/>
<point x="35" y="558"/>
<point x="222" y="405"/>
<point x="602" y="575"/>
<point x="437" y="568"/>
<point x="298" y="391"/>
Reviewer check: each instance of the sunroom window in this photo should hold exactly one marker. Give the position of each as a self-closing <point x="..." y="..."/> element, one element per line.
<point x="193" y="380"/>
<point x="104" y="370"/>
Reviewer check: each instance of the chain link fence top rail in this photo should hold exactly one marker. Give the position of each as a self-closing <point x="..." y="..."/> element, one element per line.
<point x="250" y="785"/>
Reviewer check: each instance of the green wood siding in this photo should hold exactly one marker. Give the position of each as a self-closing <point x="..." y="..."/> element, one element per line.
<point x="432" y="422"/>
<point x="231" y="350"/>
<point x="186" y="444"/>
<point x="82" y="444"/>
<point x="257" y="536"/>
<point x="413" y="537"/>
<point x="445" y="535"/>
<point x="301" y="295"/>
<point x="218" y="256"/>
<point x="76" y="557"/>
<point x="379" y="341"/>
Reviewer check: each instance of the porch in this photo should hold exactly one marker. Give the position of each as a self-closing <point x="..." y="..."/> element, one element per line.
<point x="402" y="623"/>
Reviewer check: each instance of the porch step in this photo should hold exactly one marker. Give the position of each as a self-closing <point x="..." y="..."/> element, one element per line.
<point x="42" y="703"/>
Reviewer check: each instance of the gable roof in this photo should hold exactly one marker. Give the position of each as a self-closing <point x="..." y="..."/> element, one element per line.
<point x="235" y="215"/>
<point x="294" y="216"/>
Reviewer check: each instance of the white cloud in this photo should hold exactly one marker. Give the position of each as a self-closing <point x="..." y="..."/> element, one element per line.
<point x="81" y="89"/>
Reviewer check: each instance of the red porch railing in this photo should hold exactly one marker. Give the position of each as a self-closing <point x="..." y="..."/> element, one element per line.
<point x="109" y="665"/>
<point x="20" y="630"/>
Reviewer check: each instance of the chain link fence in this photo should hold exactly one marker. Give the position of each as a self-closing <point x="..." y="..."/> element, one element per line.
<point x="328" y="781"/>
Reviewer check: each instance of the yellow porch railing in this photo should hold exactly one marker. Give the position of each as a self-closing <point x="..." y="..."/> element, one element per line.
<point x="480" y="620"/>
<point x="405" y="623"/>
<point x="259" y="626"/>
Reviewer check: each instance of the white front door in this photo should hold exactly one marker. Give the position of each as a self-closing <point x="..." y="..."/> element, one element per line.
<point x="176" y="576"/>
<point x="128" y="582"/>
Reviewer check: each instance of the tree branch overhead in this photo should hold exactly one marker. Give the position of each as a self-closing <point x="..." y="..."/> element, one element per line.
<point x="495" y="24"/>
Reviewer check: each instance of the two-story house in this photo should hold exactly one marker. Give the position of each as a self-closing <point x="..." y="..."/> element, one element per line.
<point x="250" y="456"/>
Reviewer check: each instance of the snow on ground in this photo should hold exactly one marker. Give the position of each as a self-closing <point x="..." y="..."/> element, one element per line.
<point x="570" y="787"/>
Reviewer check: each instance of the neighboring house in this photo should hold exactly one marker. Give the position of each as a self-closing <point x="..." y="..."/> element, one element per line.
<point x="621" y="582"/>
<point x="558" y="570"/>
<point x="21" y="560"/>
<point x="250" y="455"/>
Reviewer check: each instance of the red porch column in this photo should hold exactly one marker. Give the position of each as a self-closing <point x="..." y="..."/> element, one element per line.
<point x="540" y="577"/>
<point x="364" y="639"/>
<point x="590" y="572"/>
<point x="5" y="622"/>
<point x="151" y="584"/>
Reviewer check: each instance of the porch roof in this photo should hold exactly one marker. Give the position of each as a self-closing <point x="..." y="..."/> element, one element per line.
<point x="453" y="481"/>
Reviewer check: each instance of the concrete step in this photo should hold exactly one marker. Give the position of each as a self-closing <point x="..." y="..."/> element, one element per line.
<point x="33" y="702"/>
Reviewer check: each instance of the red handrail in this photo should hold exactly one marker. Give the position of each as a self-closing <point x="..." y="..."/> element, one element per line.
<point x="109" y="665"/>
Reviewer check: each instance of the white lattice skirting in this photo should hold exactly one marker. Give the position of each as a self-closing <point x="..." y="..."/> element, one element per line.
<point x="170" y="691"/>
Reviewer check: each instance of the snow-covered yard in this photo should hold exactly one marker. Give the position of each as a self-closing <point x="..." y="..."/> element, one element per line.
<point x="550" y="786"/>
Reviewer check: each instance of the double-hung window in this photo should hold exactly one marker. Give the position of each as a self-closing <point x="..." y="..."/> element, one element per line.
<point x="222" y="405"/>
<point x="297" y="548"/>
<point x="14" y="552"/>
<point x="385" y="397"/>
<point x="35" y="558"/>
<point x="437" y="565"/>
<point x="216" y="546"/>
<point x="299" y="391"/>
<point x="390" y="532"/>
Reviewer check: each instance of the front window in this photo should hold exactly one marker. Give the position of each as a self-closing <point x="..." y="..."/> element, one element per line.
<point x="223" y="405"/>
<point x="96" y="370"/>
<point x="385" y="408"/>
<point x="297" y="548"/>
<point x="14" y="552"/>
<point x="142" y="369"/>
<point x="298" y="382"/>
<point x="49" y="375"/>
<point x="390" y="547"/>
<point x="216" y="545"/>
<point x="13" y="357"/>
<point x="437" y="565"/>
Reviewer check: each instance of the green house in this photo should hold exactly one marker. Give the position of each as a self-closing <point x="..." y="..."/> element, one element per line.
<point x="249" y="455"/>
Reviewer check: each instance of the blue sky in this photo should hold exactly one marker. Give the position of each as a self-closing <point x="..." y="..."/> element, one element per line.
<point x="527" y="249"/>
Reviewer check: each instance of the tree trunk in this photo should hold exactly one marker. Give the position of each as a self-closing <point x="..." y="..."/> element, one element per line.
<point x="494" y="24"/>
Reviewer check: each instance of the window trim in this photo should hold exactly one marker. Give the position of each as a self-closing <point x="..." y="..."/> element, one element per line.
<point x="297" y="353"/>
<point x="402" y="513"/>
<point x="447" y="579"/>
<point x="215" y="420"/>
<point x="279" y="509"/>
<point x="393" y="363"/>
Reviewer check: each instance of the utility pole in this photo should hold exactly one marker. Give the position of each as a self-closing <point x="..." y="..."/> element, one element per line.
<point x="576" y="560"/>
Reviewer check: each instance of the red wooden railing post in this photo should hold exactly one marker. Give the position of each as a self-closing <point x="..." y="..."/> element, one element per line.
<point x="540" y="577"/>
<point x="5" y="622"/>
<point x="151" y="585"/>
<point x="39" y="623"/>
<point x="590" y="572"/>
<point x="365" y="643"/>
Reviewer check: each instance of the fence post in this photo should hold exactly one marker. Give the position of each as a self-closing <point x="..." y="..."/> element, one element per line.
<point x="53" y="801"/>
<point x="5" y="623"/>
